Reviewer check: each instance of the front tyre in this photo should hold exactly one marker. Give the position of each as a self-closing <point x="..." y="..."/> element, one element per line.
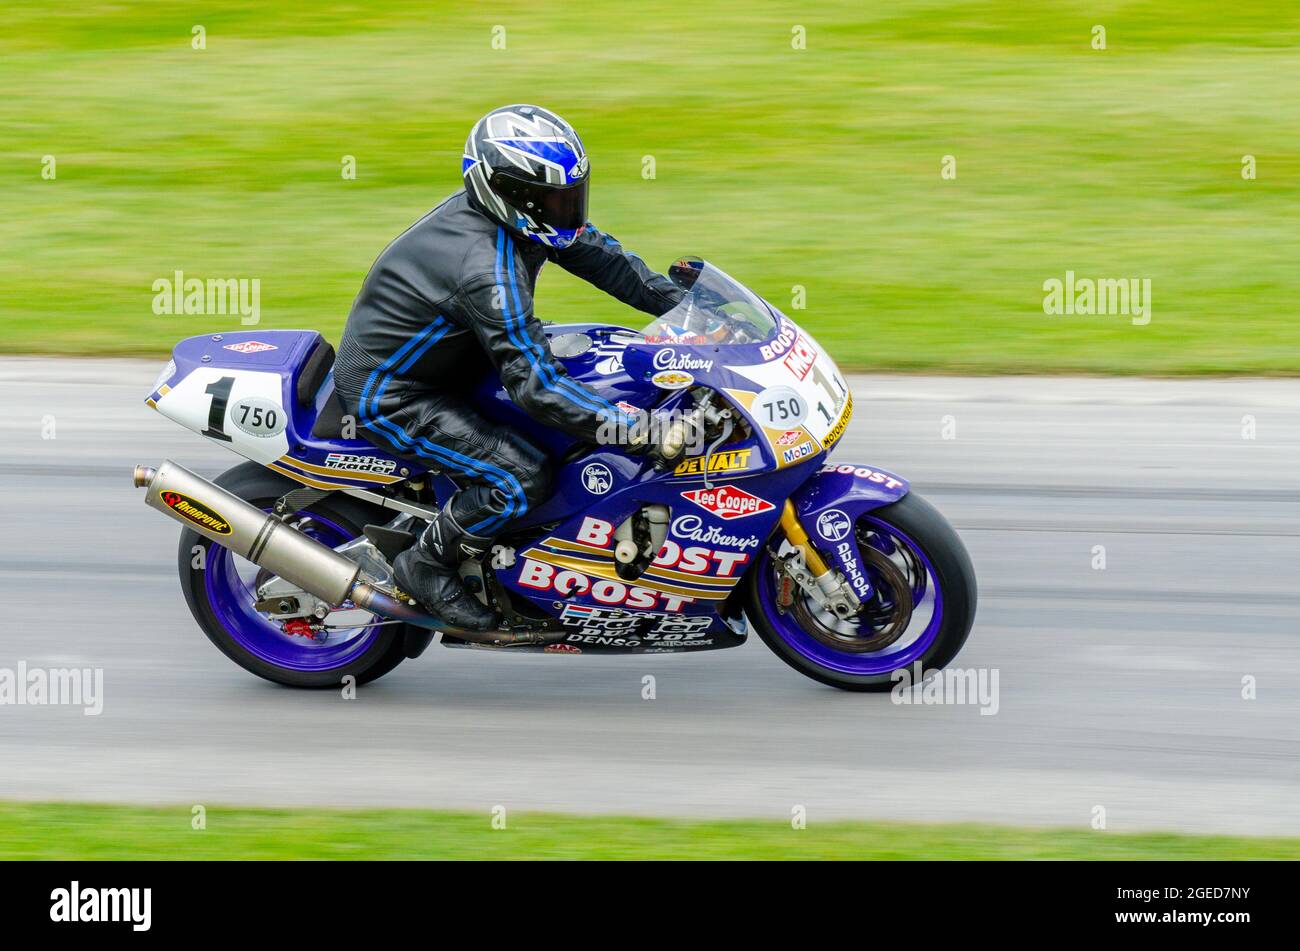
<point x="219" y="588"/>
<point x="922" y="607"/>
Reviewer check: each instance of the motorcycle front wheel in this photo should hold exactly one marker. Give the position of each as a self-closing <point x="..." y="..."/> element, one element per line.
<point x="921" y="609"/>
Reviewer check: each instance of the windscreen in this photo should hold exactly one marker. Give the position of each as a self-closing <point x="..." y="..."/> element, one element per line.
<point x="715" y="309"/>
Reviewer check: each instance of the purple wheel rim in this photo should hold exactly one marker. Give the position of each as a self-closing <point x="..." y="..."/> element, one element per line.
<point x="896" y="656"/>
<point x="231" y="599"/>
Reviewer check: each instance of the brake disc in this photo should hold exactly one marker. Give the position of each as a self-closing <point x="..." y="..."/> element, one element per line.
<point x="882" y="620"/>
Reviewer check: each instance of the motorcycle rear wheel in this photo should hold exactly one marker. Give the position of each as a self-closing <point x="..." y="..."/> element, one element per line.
<point x="217" y="586"/>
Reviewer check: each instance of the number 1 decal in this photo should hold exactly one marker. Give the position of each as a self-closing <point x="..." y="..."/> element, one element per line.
<point x="220" y="391"/>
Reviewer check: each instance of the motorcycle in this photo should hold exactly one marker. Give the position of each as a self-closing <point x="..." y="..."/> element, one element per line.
<point x="286" y="559"/>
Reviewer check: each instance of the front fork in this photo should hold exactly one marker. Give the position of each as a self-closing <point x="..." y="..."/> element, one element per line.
<point x="806" y="568"/>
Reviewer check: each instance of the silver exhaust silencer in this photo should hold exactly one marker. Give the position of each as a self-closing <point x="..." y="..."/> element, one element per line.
<point x="247" y="531"/>
<point x="269" y="543"/>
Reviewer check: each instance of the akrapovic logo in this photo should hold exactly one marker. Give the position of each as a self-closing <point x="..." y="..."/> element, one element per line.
<point x="195" y="511"/>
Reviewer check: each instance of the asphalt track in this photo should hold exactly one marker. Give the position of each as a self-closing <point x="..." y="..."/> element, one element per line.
<point x="1119" y="688"/>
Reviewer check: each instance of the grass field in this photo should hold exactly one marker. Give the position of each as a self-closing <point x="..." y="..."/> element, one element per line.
<point x="817" y="167"/>
<point x="72" y="831"/>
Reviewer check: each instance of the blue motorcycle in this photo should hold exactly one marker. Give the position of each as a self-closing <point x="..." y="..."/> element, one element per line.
<point x="285" y="560"/>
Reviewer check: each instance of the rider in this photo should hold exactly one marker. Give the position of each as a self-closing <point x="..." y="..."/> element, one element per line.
<point x="451" y="298"/>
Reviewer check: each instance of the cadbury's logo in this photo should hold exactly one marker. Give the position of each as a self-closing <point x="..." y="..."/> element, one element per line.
<point x="194" y="511"/>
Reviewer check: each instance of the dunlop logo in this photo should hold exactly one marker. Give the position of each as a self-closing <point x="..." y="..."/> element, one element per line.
<point x="194" y="511"/>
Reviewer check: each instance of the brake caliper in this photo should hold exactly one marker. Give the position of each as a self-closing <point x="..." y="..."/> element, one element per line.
<point x="299" y="627"/>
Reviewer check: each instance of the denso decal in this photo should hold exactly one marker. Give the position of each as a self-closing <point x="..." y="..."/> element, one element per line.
<point x="862" y="472"/>
<point x="672" y="360"/>
<point x="192" y="510"/>
<point x="789" y="437"/>
<point x="732" y="460"/>
<point x="728" y="501"/>
<point x="692" y="527"/>
<point x="563" y="581"/>
<point x="697" y="560"/>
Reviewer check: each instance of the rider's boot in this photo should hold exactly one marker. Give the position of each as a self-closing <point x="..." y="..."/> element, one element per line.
<point x="427" y="571"/>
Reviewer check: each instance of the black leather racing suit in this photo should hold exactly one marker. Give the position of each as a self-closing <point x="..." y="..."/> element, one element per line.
<point x="449" y="299"/>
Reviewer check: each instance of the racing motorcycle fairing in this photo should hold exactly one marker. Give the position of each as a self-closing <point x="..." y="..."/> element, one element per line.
<point x="264" y="394"/>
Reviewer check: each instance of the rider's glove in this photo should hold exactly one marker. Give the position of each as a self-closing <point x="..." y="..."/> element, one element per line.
<point x="664" y="441"/>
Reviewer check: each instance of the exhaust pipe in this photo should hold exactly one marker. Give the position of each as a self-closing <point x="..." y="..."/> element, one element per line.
<point x="268" y="543"/>
<point x="247" y="531"/>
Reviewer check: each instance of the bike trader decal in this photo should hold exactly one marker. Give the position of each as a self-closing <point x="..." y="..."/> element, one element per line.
<point x="350" y="463"/>
<point x="195" y="511"/>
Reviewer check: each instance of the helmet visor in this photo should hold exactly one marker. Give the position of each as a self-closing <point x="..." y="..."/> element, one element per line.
<point x="562" y="207"/>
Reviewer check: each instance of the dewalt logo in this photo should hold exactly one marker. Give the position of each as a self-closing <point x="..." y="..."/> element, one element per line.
<point x="733" y="460"/>
<point x="195" y="511"/>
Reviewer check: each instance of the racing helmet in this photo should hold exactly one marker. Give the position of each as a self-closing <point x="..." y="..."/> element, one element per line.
<point x="525" y="168"/>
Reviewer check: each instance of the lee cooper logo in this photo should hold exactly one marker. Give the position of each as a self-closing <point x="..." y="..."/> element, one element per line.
<point x="196" y="512"/>
<point x="728" y="501"/>
<point x="833" y="525"/>
<point x="74" y="904"/>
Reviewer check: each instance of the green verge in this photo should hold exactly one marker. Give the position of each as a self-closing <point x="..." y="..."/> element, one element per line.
<point x="76" y="831"/>
<point x="818" y="167"/>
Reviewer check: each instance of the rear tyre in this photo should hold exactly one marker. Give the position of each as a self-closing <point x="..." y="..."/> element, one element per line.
<point x="217" y="586"/>
<point x="921" y="610"/>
